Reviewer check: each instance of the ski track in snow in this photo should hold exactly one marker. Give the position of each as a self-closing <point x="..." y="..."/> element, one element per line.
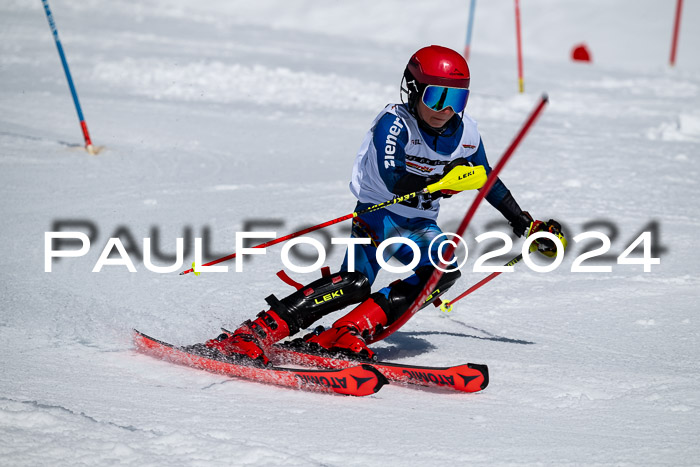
<point x="221" y="114"/>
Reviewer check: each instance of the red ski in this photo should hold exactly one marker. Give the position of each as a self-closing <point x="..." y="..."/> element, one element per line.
<point x="353" y="380"/>
<point x="469" y="377"/>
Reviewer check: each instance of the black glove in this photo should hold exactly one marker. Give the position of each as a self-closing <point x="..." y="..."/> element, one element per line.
<point x="521" y="223"/>
<point x="455" y="163"/>
<point x="410" y="183"/>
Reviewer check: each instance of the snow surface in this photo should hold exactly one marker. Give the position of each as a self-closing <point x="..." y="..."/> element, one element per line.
<point x="219" y="113"/>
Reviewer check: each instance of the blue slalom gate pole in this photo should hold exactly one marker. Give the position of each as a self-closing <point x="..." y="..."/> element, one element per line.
<point x="54" y="31"/>
<point x="470" y="25"/>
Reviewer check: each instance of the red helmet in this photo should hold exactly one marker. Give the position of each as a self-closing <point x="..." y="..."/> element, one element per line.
<point x="435" y="65"/>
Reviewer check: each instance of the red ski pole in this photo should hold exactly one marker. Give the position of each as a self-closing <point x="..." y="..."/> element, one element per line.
<point x="461" y="178"/>
<point x="446" y="306"/>
<point x="493" y="176"/>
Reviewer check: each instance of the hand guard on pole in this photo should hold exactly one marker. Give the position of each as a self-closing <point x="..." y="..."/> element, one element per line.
<point x="448" y="168"/>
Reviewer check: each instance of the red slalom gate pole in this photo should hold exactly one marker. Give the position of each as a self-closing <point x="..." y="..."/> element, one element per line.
<point x="493" y="176"/>
<point x="521" y="85"/>
<point x="676" y="28"/>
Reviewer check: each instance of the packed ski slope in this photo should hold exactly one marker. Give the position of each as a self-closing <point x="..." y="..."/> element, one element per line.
<point x="224" y="116"/>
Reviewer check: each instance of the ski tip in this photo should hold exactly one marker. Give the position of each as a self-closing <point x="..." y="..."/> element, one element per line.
<point x="138" y="338"/>
<point x="545" y="97"/>
<point x="484" y="370"/>
<point x="141" y="339"/>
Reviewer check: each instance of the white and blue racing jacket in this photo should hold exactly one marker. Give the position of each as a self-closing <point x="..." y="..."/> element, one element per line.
<point x="397" y="156"/>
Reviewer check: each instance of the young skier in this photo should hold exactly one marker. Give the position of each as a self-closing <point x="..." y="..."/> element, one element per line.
<point x="409" y="146"/>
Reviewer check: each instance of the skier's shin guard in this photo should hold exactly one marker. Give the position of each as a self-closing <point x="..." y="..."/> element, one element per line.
<point x="323" y="296"/>
<point x="287" y="316"/>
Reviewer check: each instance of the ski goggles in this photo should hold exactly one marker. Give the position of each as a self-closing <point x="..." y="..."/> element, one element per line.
<point x="437" y="98"/>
